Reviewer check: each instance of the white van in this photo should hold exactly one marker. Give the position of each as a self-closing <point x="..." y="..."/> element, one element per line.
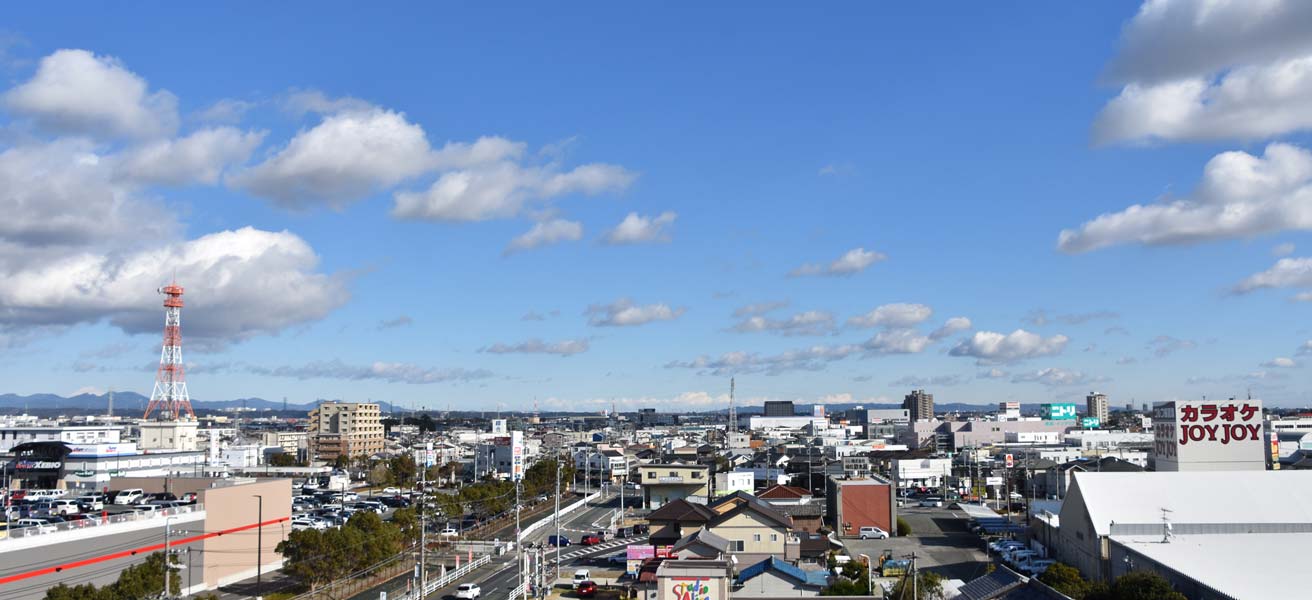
<point x="64" y="507"/>
<point x="581" y="576"/>
<point x="129" y="496"/>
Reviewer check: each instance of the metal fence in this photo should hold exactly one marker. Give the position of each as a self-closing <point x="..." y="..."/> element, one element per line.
<point x="18" y="532"/>
<point x="447" y="579"/>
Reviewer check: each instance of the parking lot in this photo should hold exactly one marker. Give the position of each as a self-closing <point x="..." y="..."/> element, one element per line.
<point x="940" y="539"/>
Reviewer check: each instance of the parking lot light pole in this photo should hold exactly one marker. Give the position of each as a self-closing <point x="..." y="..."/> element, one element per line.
<point x="259" y="540"/>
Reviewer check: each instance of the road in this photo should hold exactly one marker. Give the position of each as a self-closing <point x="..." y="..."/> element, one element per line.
<point x="939" y="538"/>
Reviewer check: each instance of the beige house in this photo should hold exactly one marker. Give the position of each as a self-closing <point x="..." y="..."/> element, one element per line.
<point x="664" y="483"/>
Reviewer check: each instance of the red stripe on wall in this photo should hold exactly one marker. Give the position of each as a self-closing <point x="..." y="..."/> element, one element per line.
<point x="133" y="552"/>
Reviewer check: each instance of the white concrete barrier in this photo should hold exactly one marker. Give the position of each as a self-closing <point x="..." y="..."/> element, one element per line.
<point x="551" y="518"/>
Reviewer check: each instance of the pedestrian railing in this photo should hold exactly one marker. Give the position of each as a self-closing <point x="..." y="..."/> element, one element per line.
<point x="93" y="520"/>
<point x="519" y="591"/>
<point x="445" y="580"/>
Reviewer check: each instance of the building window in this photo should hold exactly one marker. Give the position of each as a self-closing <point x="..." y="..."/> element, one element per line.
<point x="697" y="475"/>
<point x="736" y="545"/>
<point x="756" y="537"/>
<point x="774" y="537"/>
<point x="651" y="475"/>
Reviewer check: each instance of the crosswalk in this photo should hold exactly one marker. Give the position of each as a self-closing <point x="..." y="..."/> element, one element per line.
<point x="595" y="549"/>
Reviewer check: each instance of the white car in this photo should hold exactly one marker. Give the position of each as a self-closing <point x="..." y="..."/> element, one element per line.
<point x="449" y="532"/>
<point x="581" y="576"/>
<point x="931" y="502"/>
<point x="64" y="507"/>
<point x="873" y="532"/>
<point x="300" y="523"/>
<point x="391" y="491"/>
<point x="468" y="591"/>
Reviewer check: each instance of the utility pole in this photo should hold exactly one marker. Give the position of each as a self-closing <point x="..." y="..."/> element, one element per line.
<point x="423" y="520"/>
<point x="168" y="521"/>
<point x="519" y="553"/>
<point x="259" y="541"/>
<point x="559" y="466"/>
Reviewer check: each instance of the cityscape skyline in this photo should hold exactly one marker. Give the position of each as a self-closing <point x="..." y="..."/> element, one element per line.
<point x="581" y="207"/>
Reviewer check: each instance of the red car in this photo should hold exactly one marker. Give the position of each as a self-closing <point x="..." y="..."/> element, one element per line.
<point x="590" y="540"/>
<point x="587" y="589"/>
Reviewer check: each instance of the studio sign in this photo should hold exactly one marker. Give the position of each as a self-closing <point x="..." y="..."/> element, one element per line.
<point x="38" y="465"/>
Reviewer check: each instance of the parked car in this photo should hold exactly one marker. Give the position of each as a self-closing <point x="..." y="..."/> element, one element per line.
<point x="586" y="589"/>
<point x="619" y="559"/>
<point x="557" y="540"/>
<point x="35" y="526"/>
<point x="872" y="532"/>
<point x="590" y="540"/>
<point x="931" y="502"/>
<point x="64" y="506"/>
<point x="300" y="523"/>
<point x="160" y="497"/>
<point x="146" y="508"/>
<point x="395" y="502"/>
<point x="392" y="491"/>
<point x="449" y="532"/>
<point x="129" y="496"/>
<point x="189" y="497"/>
<point x="581" y="576"/>
<point x="91" y="502"/>
<point x="468" y="591"/>
<point x="1036" y="567"/>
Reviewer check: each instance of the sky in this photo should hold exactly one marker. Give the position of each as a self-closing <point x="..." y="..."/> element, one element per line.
<point x="585" y="205"/>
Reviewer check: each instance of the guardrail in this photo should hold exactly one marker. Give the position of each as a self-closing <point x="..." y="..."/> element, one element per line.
<point x="16" y="532"/>
<point x="518" y="592"/>
<point x="566" y="509"/>
<point x="445" y="580"/>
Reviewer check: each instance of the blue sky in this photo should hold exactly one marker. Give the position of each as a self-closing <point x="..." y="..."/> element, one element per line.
<point x="340" y="190"/>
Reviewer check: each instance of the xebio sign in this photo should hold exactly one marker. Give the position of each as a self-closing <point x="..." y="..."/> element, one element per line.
<point x="1205" y="436"/>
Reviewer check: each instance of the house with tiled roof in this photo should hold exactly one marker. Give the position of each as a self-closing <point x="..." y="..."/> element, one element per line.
<point x="775" y="578"/>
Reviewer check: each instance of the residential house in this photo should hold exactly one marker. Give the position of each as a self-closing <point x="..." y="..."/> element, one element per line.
<point x="775" y="578"/>
<point x="666" y="482"/>
<point x="797" y="503"/>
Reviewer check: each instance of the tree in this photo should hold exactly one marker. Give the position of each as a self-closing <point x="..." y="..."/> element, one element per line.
<point x="284" y="459"/>
<point x="1065" y="579"/>
<point x="929" y="586"/>
<point x="137" y="582"/>
<point x="903" y="527"/>
<point x="1137" y="585"/>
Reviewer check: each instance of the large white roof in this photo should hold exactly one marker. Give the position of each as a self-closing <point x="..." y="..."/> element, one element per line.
<point x="1255" y="565"/>
<point x="1196" y="497"/>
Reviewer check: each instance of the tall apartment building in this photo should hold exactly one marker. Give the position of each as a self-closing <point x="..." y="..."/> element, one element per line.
<point x="345" y="429"/>
<point x="779" y="408"/>
<point x="920" y="404"/>
<point x="1097" y="406"/>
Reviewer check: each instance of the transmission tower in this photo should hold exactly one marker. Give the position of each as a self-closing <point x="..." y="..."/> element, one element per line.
<point x="169" y="399"/>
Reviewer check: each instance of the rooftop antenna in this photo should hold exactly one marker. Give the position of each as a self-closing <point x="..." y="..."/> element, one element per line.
<point x="1166" y="526"/>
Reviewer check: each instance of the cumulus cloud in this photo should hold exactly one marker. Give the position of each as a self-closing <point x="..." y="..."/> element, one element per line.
<point x="1287" y="272"/>
<point x="200" y="157"/>
<point x="812" y="322"/>
<point x="1284" y="249"/>
<point x="389" y="372"/>
<point x="852" y="262"/>
<point x="537" y="346"/>
<point x="227" y="111"/>
<point x="950" y="327"/>
<point x="624" y="313"/>
<point x="807" y="359"/>
<point x="993" y="347"/>
<point x="1040" y="317"/>
<point x="77" y="92"/>
<point x="347" y="156"/>
<point x="1165" y="345"/>
<point x="1305" y="349"/>
<point x="897" y="341"/>
<point x="920" y="382"/>
<point x="545" y="233"/>
<point x="1054" y="376"/>
<point x="637" y="229"/>
<point x="1280" y="362"/>
<point x="758" y="308"/>
<point x="1240" y="196"/>
<point x="238" y="284"/>
<point x="1199" y="70"/>
<point x="401" y="321"/>
<point x="893" y="315"/>
<point x="504" y="189"/>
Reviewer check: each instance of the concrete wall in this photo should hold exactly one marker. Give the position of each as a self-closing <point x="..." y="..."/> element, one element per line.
<point x="863" y="503"/>
<point x="232" y="557"/>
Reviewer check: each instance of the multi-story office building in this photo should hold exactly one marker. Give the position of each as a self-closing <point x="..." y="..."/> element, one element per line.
<point x="779" y="408"/>
<point x="1097" y="407"/>
<point x="920" y="404"/>
<point x="345" y="429"/>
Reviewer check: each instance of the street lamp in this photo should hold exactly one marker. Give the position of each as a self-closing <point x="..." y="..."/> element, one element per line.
<point x="259" y="539"/>
<point x="167" y="521"/>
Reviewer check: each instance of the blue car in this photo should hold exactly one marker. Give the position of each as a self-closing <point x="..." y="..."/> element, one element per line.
<point x="558" y="540"/>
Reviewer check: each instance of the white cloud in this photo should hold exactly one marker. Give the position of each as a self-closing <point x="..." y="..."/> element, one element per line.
<point x="401" y="321"/>
<point x="299" y="102"/>
<point x="1240" y="195"/>
<point x="813" y="322"/>
<point x="200" y="157"/>
<point x="950" y="327"/>
<point x="537" y="346"/>
<point x="851" y="262"/>
<point x="1198" y="70"/>
<point x="389" y="372"/>
<point x="1305" y="349"/>
<point x="238" y="284"/>
<point x="504" y="189"/>
<point x="758" y="308"/>
<point x="1287" y="272"/>
<point x="1284" y="249"/>
<point x="624" y="313"/>
<point x="546" y="233"/>
<point x="1174" y="39"/>
<point x="923" y="382"/>
<point x="1165" y="345"/>
<point x="77" y="92"/>
<point x="897" y="341"/>
<point x="347" y="156"/>
<point x="637" y="229"/>
<point x="1054" y="376"/>
<point x="1280" y="362"/>
<point x="991" y="374"/>
<point x="993" y="347"/>
<point x="893" y="315"/>
<point x="227" y="111"/>
<point x="807" y="359"/>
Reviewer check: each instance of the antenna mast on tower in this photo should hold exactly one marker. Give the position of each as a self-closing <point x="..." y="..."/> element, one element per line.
<point x="169" y="399"/>
<point x="733" y="412"/>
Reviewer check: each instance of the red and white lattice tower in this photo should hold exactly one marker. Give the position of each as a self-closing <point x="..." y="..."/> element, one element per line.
<point x="169" y="399"/>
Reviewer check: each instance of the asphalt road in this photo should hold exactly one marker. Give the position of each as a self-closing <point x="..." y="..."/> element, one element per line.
<point x="940" y="539"/>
